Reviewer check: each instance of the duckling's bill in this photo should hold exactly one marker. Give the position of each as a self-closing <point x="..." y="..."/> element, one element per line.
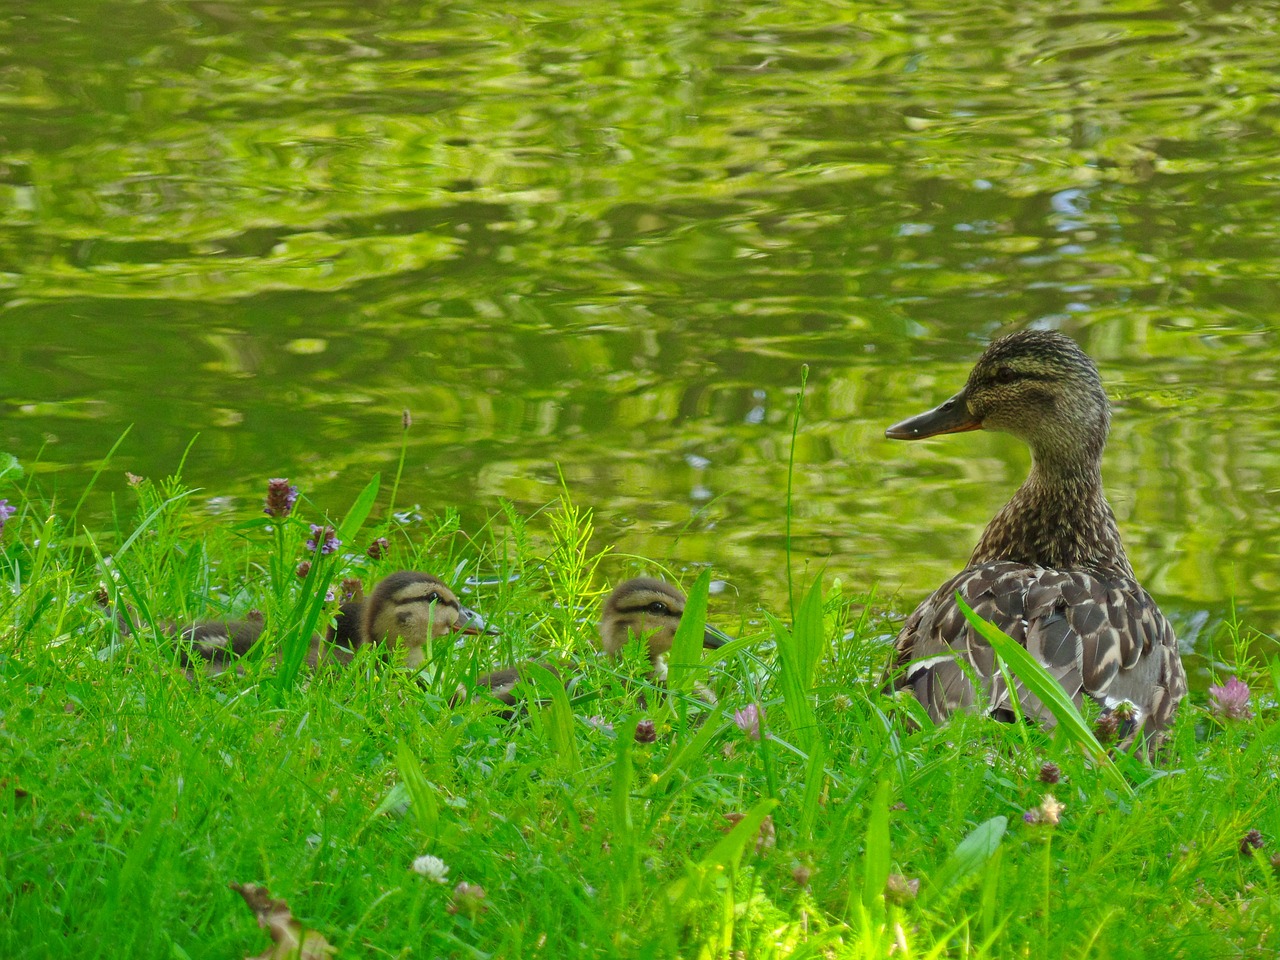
<point x="713" y="639"/>
<point x="953" y="416"/>
<point x="471" y="622"/>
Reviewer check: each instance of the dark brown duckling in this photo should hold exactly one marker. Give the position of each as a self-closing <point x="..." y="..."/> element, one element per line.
<point x="1050" y="569"/>
<point x="211" y="647"/>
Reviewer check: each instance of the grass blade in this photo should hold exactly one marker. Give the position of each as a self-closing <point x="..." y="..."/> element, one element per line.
<point x="557" y="714"/>
<point x="809" y="635"/>
<point x="295" y="643"/>
<point x="727" y="854"/>
<point x="685" y="659"/>
<point x="623" y="778"/>
<point x="97" y="472"/>
<point x="799" y="651"/>
<point x="359" y="511"/>
<point x="791" y="474"/>
<point x="694" y="748"/>
<point x="970" y="855"/>
<point x="815" y="778"/>
<point x="422" y="795"/>
<point x="875" y="871"/>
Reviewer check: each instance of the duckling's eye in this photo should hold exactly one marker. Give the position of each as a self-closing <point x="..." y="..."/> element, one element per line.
<point x="658" y="607"/>
<point x="432" y="597"/>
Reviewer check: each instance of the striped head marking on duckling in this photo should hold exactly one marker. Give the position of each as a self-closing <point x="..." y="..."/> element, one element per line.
<point x="651" y="608"/>
<point x="408" y="609"/>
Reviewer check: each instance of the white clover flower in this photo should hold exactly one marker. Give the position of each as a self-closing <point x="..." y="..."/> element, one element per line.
<point x="433" y="868"/>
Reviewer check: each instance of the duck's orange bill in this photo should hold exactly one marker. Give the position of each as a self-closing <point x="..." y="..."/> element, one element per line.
<point x="953" y="416"/>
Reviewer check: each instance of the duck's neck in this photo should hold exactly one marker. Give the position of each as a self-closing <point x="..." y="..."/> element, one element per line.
<point x="1058" y="518"/>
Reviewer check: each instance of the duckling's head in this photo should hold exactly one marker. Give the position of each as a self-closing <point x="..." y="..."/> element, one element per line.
<point x="647" y="607"/>
<point x="408" y="609"/>
<point x="1037" y="385"/>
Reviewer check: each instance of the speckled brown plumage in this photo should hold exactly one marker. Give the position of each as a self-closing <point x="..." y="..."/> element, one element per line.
<point x="1050" y="569"/>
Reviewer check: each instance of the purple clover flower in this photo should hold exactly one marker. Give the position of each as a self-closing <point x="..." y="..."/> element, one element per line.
<point x="281" y="496"/>
<point x="1231" y="700"/>
<point x="468" y="900"/>
<point x="7" y="510"/>
<point x="323" y="538"/>
<point x="748" y="720"/>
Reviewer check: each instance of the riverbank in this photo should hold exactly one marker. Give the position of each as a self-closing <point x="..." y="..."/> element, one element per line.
<point x="796" y="815"/>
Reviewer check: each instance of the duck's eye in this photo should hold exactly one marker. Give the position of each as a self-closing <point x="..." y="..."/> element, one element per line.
<point x="1005" y="375"/>
<point x="659" y="607"/>
<point x="432" y="597"/>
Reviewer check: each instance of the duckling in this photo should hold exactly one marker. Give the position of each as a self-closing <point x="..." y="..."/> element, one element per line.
<point x="651" y="608"/>
<point x="344" y="637"/>
<point x="643" y="607"/>
<point x="409" y="609"/>
<point x="1050" y="569"/>
<point x="406" y="609"/>
<point x="213" y="646"/>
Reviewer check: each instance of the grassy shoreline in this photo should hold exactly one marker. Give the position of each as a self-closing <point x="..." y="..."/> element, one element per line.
<point x="132" y="797"/>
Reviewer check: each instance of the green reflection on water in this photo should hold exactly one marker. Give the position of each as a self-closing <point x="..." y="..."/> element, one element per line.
<point x="605" y="239"/>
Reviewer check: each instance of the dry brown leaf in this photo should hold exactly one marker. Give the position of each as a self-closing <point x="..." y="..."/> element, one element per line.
<point x="291" y="941"/>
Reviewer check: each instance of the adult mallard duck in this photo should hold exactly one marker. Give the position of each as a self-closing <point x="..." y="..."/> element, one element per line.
<point x="1050" y="569"/>
<point x="642" y="607"/>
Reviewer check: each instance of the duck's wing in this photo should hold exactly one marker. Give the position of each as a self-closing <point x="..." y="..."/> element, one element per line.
<point x="1098" y="636"/>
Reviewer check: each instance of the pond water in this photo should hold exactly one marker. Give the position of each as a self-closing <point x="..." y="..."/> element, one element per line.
<point x="605" y="239"/>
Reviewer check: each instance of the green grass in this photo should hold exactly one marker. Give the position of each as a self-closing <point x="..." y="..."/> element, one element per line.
<point x="131" y="797"/>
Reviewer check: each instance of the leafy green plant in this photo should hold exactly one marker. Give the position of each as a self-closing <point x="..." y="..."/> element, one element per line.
<point x="570" y="569"/>
<point x="799" y="652"/>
